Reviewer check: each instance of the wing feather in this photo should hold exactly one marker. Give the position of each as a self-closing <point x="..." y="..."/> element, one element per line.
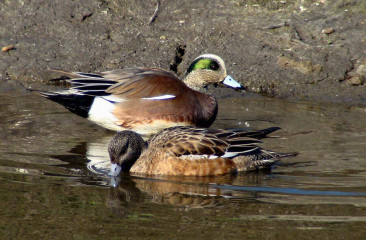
<point x="178" y="141"/>
<point x="126" y="83"/>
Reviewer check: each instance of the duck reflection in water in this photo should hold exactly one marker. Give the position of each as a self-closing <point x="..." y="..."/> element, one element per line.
<point x="184" y="191"/>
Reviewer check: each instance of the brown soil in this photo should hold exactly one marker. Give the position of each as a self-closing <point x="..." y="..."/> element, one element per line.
<point x="302" y="49"/>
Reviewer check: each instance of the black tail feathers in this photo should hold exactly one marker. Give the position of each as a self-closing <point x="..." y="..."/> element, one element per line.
<point x="75" y="103"/>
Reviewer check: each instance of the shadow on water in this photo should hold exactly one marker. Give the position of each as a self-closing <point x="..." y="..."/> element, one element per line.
<point x="53" y="165"/>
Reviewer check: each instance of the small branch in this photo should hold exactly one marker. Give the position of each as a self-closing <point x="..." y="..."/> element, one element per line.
<point x="284" y="24"/>
<point x="297" y="34"/>
<point x="153" y="17"/>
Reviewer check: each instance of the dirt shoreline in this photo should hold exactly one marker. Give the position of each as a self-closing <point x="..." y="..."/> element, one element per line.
<point x="302" y="49"/>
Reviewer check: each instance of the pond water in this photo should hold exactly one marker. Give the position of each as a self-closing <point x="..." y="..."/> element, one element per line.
<point x="51" y="186"/>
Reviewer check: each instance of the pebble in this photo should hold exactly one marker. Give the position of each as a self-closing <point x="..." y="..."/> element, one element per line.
<point x="355" y="81"/>
<point x="8" y="48"/>
<point x="328" y="31"/>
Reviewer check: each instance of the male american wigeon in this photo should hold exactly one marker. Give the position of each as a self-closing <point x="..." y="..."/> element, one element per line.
<point x="190" y="151"/>
<point x="145" y="100"/>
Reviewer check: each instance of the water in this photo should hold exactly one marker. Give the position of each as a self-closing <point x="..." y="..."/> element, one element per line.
<point x="49" y="190"/>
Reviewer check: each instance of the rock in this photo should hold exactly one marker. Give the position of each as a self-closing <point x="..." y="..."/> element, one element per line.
<point x="355" y="81"/>
<point x="328" y="31"/>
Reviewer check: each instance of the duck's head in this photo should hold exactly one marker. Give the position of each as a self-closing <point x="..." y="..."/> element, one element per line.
<point x="208" y="69"/>
<point x="124" y="149"/>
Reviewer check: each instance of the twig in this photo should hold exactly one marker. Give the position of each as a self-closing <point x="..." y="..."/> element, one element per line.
<point x="153" y="17"/>
<point x="297" y="34"/>
<point x="284" y="24"/>
<point x="291" y="40"/>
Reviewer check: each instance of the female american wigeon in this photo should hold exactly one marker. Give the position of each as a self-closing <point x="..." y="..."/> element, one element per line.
<point x="145" y="100"/>
<point x="190" y="151"/>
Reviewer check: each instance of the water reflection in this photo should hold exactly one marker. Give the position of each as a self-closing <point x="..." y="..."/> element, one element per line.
<point x="56" y="160"/>
<point x="192" y="192"/>
<point x="249" y="186"/>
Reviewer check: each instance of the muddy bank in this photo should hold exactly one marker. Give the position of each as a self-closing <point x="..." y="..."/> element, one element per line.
<point x="303" y="49"/>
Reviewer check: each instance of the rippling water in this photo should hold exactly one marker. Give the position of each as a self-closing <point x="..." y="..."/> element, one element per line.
<point x="51" y="160"/>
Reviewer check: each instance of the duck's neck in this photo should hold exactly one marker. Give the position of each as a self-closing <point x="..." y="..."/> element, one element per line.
<point x="208" y="110"/>
<point x="136" y="146"/>
<point x="191" y="81"/>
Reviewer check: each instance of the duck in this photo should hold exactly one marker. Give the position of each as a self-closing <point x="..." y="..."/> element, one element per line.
<point x="191" y="151"/>
<point x="145" y="100"/>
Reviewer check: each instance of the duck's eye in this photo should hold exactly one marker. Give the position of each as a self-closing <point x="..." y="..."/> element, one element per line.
<point x="214" y="65"/>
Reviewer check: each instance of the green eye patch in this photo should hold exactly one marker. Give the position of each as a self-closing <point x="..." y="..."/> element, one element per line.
<point x="203" y="64"/>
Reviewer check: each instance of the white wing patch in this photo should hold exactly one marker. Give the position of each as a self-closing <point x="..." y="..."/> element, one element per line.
<point x="162" y="97"/>
<point x="230" y="154"/>
<point x="196" y="157"/>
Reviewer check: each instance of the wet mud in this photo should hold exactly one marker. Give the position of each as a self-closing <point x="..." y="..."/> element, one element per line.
<point x="308" y="50"/>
